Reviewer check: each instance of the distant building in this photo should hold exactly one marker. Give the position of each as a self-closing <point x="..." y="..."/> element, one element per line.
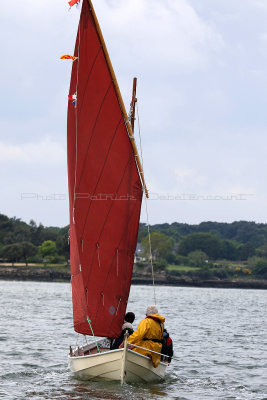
<point x="139" y="253"/>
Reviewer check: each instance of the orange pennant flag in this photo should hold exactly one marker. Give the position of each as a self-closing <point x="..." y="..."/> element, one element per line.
<point x="72" y="2"/>
<point x="68" y="57"/>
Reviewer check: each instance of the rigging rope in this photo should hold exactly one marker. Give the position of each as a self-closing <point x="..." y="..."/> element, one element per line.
<point x="152" y="351"/>
<point x="147" y="220"/>
<point x="77" y="340"/>
<point x="89" y="322"/>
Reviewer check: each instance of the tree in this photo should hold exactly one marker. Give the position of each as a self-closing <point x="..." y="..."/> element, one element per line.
<point x="198" y="258"/>
<point x="47" y="249"/>
<point x="161" y="245"/>
<point x="12" y="252"/>
<point x="229" y="250"/>
<point x="205" y="242"/>
<point x="260" y="269"/>
<point x="27" y="249"/>
<point x="63" y="247"/>
<point x="262" y="250"/>
<point x="245" y="251"/>
<point x="51" y="233"/>
<point x="37" y="233"/>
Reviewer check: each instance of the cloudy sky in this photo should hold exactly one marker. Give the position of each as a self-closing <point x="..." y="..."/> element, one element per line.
<point x="202" y="91"/>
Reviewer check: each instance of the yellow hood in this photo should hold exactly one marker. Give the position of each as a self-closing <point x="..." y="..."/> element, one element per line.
<point x="158" y="317"/>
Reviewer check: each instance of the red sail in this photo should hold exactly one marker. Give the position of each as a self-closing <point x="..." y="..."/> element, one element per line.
<point x="105" y="191"/>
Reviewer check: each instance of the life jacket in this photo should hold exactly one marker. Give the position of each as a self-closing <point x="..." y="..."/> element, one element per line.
<point x="161" y="327"/>
<point x="167" y="347"/>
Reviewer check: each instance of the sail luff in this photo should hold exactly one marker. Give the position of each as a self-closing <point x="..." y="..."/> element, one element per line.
<point x="120" y="100"/>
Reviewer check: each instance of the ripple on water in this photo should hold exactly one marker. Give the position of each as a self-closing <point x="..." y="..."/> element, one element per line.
<point x="219" y="343"/>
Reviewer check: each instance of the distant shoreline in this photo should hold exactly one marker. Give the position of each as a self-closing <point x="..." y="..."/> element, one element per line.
<point x="62" y="274"/>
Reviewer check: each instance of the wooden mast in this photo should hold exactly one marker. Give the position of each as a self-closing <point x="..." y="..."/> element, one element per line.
<point x="118" y="93"/>
<point x="134" y="100"/>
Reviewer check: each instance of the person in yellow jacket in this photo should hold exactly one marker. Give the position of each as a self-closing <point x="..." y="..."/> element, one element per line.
<point x="149" y="334"/>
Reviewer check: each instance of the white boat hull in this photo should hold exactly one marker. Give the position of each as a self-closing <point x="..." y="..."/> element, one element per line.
<point x="110" y="365"/>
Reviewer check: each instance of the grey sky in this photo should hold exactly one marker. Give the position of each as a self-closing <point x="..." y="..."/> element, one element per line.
<point x="201" y="68"/>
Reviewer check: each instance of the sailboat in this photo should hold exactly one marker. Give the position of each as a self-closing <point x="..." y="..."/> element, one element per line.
<point x="106" y="186"/>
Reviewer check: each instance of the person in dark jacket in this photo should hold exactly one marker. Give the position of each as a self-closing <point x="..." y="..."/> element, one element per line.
<point x="167" y="347"/>
<point x="127" y="326"/>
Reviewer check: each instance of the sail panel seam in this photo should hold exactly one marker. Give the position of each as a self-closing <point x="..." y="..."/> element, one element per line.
<point x="87" y="80"/>
<point x="107" y="215"/>
<point x="98" y="255"/>
<point x="110" y="268"/>
<point x="101" y="173"/>
<point x="92" y="135"/>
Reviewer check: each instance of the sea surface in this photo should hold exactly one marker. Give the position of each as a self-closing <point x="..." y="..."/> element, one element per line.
<point x="219" y="335"/>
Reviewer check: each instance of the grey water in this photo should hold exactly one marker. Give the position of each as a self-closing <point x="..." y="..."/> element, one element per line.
<point x="219" y="335"/>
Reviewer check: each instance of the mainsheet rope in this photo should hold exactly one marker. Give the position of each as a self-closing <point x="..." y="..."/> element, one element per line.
<point x="146" y="207"/>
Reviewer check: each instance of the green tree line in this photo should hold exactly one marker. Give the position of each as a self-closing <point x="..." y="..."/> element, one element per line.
<point x="204" y="251"/>
<point x="22" y="242"/>
<point x="175" y="243"/>
<point x="238" y="231"/>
